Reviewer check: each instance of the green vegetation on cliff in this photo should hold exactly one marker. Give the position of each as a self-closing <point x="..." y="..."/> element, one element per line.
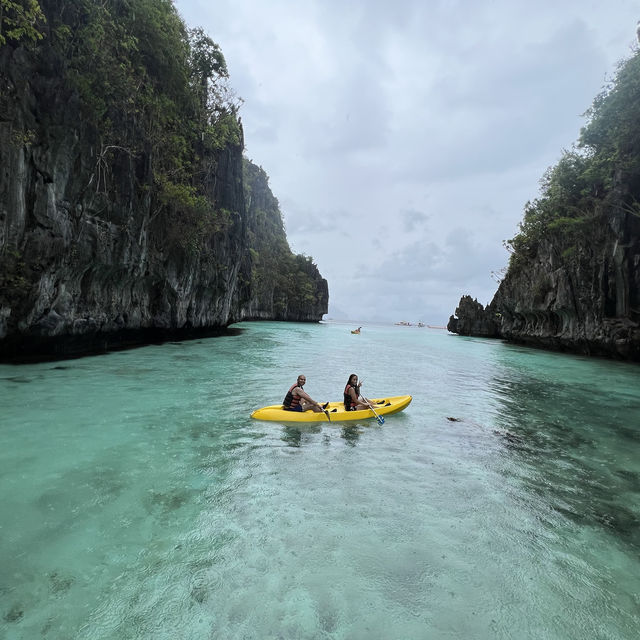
<point x="282" y="281"/>
<point x="20" y="21"/>
<point x="603" y="169"/>
<point x="573" y="280"/>
<point x="133" y="148"/>
<point x="150" y="88"/>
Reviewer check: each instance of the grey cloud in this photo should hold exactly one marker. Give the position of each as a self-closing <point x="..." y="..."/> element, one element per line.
<point x="459" y="262"/>
<point x="304" y="219"/>
<point x="412" y="219"/>
<point x="486" y="120"/>
<point x="424" y="122"/>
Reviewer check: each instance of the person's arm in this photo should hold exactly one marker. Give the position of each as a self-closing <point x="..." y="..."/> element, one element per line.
<point x="353" y="394"/>
<point x="303" y="394"/>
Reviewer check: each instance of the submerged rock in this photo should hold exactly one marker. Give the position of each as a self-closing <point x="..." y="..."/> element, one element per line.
<point x="15" y="614"/>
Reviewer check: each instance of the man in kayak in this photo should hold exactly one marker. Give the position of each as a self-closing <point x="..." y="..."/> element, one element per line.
<point x="297" y="399"/>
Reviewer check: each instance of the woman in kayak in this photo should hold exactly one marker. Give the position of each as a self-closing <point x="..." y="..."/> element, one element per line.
<point x="297" y="399"/>
<point x="352" y="398"/>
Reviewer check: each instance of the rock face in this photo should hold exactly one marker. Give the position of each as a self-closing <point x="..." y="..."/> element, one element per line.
<point x="473" y="320"/>
<point x="583" y="299"/>
<point x="283" y="286"/>
<point x="89" y="259"/>
<point x="84" y="270"/>
<point x="573" y="281"/>
<point x="588" y="304"/>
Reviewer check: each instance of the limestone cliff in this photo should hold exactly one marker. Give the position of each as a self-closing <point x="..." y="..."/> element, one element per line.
<point x="122" y="204"/>
<point x="587" y="303"/>
<point x="284" y="286"/>
<point x="472" y="319"/>
<point x="573" y="281"/>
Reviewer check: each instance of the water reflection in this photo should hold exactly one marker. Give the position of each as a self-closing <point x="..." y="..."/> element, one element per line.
<point x="351" y="434"/>
<point x="297" y="435"/>
<point x="570" y="441"/>
<point x="292" y="436"/>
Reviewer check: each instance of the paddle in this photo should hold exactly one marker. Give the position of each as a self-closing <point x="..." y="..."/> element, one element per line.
<point x="379" y="418"/>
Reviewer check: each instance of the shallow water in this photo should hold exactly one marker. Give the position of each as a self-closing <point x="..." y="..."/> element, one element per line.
<point x="139" y="500"/>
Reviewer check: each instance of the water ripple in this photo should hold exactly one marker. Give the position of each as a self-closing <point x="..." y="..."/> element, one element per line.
<point x="140" y="501"/>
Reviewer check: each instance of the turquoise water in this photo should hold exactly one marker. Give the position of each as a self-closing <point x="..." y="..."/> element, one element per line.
<point x="139" y="500"/>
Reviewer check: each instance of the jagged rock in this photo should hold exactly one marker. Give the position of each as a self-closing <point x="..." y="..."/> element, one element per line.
<point x="84" y="264"/>
<point x="88" y="258"/>
<point x="473" y="320"/>
<point x="587" y="304"/>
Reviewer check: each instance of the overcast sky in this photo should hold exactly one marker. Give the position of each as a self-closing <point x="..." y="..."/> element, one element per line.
<point x="403" y="138"/>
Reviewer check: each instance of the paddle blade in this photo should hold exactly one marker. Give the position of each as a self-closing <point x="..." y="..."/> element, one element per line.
<point x="380" y="420"/>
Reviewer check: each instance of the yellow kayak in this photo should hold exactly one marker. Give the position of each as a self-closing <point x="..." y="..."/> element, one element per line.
<point x="336" y="411"/>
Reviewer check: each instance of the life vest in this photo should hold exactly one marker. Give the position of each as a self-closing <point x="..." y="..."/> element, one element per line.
<point x="290" y="401"/>
<point x="348" y="400"/>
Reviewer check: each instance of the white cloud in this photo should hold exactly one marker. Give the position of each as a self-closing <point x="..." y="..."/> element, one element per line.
<point x="403" y="139"/>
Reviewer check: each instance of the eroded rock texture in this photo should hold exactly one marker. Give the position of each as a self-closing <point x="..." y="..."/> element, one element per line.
<point x="90" y="255"/>
<point x="583" y="298"/>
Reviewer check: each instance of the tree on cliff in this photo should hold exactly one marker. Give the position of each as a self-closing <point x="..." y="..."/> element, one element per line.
<point x="282" y="283"/>
<point x="122" y="184"/>
<point x="612" y="136"/>
<point x="152" y="89"/>
<point x="604" y="165"/>
<point x="573" y="280"/>
<point x="20" y="21"/>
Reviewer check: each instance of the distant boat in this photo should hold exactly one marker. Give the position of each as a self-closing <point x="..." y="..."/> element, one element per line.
<point x="356" y="330"/>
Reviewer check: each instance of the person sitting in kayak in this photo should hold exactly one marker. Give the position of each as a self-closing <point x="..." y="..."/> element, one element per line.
<point x="297" y="399"/>
<point x="352" y="398"/>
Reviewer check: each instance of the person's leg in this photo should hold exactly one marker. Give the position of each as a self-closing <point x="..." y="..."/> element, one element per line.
<point x="306" y="405"/>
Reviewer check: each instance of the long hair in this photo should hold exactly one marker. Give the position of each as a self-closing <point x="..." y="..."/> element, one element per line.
<point x="347" y="402"/>
<point x="357" y="387"/>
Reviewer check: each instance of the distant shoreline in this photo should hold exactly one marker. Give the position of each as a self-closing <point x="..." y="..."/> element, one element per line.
<point x="380" y="323"/>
